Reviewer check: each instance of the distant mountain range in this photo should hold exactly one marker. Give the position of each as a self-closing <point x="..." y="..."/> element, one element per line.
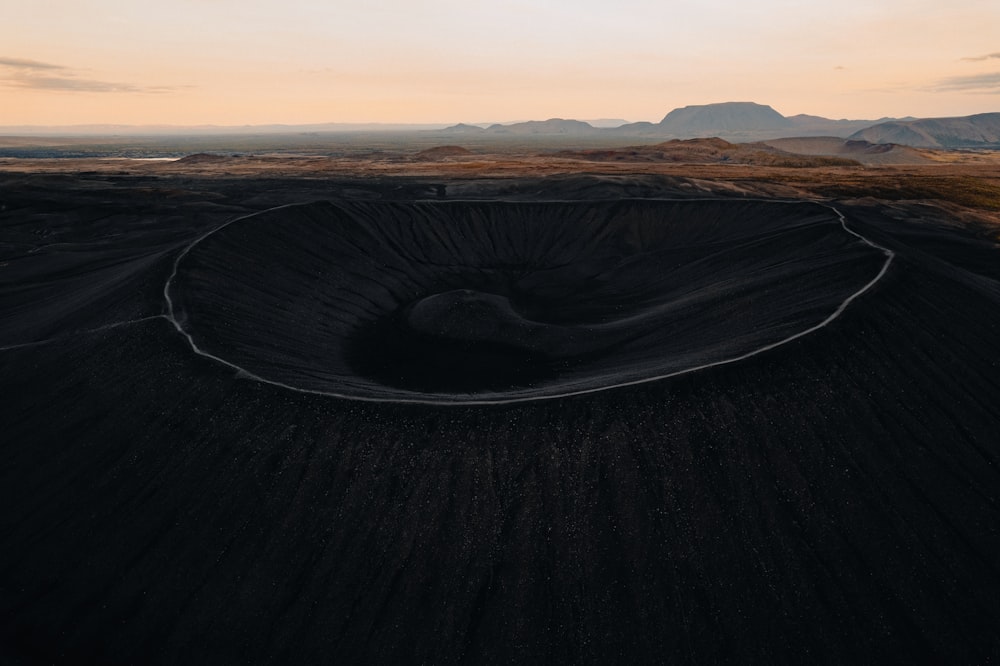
<point x="747" y="121"/>
<point x="729" y="120"/>
<point x="732" y="121"/>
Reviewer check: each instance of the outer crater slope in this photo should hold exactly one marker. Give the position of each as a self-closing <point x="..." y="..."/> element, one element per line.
<point x="462" y="302"/>
<point x="834" y="500"/>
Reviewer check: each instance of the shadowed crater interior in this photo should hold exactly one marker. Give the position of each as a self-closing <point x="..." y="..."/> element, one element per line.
<point x="498" y="301"/>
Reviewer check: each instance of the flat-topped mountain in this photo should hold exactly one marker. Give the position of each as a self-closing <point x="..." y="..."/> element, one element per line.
<point x="727" y="116"/>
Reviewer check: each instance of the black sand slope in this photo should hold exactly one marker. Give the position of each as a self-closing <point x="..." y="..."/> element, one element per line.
<point x="831" y="500"/>
<point x="464" y="302"/>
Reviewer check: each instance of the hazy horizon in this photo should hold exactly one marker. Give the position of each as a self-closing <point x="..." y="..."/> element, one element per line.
<point x="219" y="62"/>
<point x="597" y="123"/>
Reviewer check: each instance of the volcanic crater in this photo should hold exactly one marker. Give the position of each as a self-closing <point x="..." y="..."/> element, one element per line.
<point x="828" y="492"/>
<point x="485" y="302"/>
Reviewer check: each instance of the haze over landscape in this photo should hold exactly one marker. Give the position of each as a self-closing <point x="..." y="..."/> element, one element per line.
<point x="187" y="62"/>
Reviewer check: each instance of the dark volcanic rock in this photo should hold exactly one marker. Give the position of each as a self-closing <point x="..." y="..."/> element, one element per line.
<point x="369" y="300"/>
<point x="833" y="500"/>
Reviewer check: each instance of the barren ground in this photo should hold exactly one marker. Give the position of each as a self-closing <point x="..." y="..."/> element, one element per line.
<point x="835" y="499"/>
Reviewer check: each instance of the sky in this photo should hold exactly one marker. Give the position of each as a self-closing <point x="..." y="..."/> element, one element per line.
<point x="229" y="62"/>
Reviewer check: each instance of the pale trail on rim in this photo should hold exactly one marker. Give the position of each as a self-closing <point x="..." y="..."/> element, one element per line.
<point x="245" y="374"/>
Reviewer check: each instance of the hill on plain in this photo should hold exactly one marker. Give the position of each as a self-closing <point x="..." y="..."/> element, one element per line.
<point x="712" y="151"/>
<point x="982" y="129"/>
<point x="854" y="149"/>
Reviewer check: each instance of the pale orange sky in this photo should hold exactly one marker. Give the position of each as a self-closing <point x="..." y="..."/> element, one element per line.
<point x="305" y="61"/>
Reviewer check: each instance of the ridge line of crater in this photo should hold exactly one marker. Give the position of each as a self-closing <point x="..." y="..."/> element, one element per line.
<point x="246" y="374"/>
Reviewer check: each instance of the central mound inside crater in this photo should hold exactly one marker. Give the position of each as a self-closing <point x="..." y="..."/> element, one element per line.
<point x="490" y="301"/>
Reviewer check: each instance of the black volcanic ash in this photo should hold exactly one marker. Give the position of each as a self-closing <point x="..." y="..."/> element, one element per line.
<point x="459" y="302"/>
